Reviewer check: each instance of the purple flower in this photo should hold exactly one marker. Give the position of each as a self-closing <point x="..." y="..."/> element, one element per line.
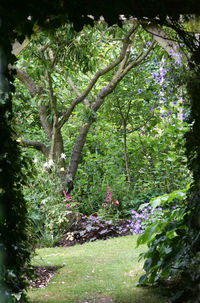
<point x="152" y="109"/>
<point x="174" y="102"/>
<point x="162" y="115"/>
<point x="154" y="75"/>
<point x="169" y="112"/>
<point x="141" y="67"/>
<point x="183" y="115"/>
<point x="140" y="90"/>
<point x="148" y="43"/>
<point x="162" y="71"/>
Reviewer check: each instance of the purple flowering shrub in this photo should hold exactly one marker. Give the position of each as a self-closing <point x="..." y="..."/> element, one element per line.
<point x="143" y="218"/>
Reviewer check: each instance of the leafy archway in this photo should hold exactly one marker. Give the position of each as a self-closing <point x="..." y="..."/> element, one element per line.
<point x="17" y="21"/>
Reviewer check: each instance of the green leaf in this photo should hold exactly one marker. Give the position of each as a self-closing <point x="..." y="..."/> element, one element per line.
<point x="146" y="236"/>
<point x="147" y="264"/>
<point x="177" y="194"/>
<point x="159" y="200"/>
<point x="17" y="296"/>
<point x="143" y="206"/>
<point x="143" y="279"/>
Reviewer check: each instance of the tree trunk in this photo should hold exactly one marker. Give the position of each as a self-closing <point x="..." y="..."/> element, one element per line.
<point x="57" y="148"/>
<point x="126" y="153"/>
<point x="76" y="154"/>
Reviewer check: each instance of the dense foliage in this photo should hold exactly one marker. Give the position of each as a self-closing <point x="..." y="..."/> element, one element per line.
<point x="193" y="141"/>
<point x="134" y="150"/>
<point x="174" y="243"/>
<point x="136" y="142"/>
<point x="16" y="236"/>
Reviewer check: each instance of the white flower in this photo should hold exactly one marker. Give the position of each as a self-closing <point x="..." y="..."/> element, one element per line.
<point x="63" y="156"/>
<point x="46" y="164"/>
<point x="50" y="163"/>
<point x="35" y="160"/>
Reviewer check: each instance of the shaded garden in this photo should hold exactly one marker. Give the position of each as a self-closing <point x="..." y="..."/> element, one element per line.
<point x="105" y="125"/>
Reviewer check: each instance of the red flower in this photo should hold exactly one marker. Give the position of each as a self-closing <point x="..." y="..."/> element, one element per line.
<point x="67" y="205"/>
<point x="116" y="202"/>
<point x="94" y="215"/>
<point x="67" y="197"/>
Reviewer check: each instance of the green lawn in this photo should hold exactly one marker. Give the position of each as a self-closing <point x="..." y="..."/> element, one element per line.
<point x="102" y="271"/>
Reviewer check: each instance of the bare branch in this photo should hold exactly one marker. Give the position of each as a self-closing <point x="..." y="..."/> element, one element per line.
<point x="36" y="145"/>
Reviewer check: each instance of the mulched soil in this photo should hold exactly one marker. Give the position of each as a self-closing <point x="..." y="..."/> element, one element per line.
<point x="43" y="274"/>
<point x="105" y="230"/>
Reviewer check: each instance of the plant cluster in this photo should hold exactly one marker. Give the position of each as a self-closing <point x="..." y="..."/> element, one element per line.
<point x="94" y="227"/>
<point x="50" y="211"/>
<point x="97" y="227"/>
<point x="144" y="217"/>
<point x="169" y="241"/>
<point x="109" y="207"/>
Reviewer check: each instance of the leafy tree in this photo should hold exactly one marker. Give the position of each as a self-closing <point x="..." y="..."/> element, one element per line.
<point x="46" y="87"/>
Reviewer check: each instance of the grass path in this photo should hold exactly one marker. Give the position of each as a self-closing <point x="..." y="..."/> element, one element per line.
<point x="98" y="272"/>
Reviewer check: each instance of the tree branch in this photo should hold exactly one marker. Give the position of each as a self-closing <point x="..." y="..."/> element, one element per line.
<point x="43" y="111"/>
<point x="73" y="86"/>
<point x="139" y="59"/>
<point x="34" y="90"/>
<point x="99" y="73"/>
<point x="163" y="39"/>
<point x="27" y="81"/>
<point x="18" y="47"/>
<point x="51" y="94"/>
<point x="36" y="145"/>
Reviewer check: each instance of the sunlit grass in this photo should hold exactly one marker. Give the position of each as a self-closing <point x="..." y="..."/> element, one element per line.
<point x="102" y="271"/>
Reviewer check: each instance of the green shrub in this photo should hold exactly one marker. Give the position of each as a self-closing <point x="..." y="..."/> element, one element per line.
<point x="48" y="209"/>
<point x="170" y="241"/>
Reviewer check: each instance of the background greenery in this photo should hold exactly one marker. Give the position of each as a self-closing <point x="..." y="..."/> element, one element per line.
<point x="136" y="188"/>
